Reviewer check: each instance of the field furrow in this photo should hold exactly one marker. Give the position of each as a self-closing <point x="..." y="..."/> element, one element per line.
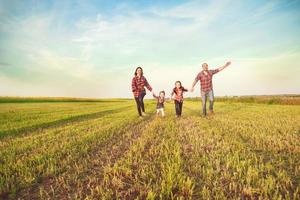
<point x="85" y="174"/>
<point x="49" y="151"/>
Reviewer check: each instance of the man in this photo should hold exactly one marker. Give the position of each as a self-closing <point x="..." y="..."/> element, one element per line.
<point x="205" y="78"/>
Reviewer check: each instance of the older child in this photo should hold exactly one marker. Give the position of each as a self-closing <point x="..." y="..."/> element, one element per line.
<point x="177" y="95"/>
<point x="160" y="103"/>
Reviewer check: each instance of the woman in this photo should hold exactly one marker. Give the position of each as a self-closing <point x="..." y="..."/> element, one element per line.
<point x="138" y="84"/>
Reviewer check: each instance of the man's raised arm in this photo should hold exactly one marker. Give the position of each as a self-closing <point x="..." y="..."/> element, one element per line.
<point x="223" y="67"/>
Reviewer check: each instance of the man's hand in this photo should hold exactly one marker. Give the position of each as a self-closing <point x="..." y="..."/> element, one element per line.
<point x="193" y="85"/>
<point x="228" y="63"/>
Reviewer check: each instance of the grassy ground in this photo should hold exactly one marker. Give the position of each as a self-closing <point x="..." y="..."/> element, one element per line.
<point x="102" y="150"/>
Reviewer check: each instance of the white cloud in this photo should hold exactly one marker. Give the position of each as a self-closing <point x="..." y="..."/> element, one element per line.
<point x="96" y="56"/>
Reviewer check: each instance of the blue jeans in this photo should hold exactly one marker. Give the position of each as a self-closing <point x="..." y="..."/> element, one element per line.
<point x="204" y="96"/>
<point x="178" y="107"/>
<point x="140" y="103"/>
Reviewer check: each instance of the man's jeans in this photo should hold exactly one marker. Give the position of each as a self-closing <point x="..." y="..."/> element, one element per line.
<point x="204" y="96"/>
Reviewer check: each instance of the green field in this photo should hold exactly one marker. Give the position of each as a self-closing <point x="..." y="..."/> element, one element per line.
<point x="103" y="150"/>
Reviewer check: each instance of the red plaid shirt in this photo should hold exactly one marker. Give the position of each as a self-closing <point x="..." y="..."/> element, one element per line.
<point x="179" y="93"/>
<point x="138" y="85"/>
<point x="206" y="80"/>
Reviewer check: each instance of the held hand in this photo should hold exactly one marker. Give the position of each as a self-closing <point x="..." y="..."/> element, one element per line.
<point x="192" y="89"/>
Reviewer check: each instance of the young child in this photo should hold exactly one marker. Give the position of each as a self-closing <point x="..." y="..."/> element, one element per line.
<point x="160" y="103"/>
<point x="178" y="97"/>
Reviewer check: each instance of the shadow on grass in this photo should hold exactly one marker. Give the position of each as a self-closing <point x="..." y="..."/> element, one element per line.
<point x="57" y="123"/>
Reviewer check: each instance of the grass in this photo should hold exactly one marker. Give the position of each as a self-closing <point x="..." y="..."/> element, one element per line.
<point x="10" y="99"/>
<point x="102" y="150"/>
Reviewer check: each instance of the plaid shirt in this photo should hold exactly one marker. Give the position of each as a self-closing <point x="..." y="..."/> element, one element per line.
<point x="138" y="85"/>
<point x="179" y="93"/>
<point x="160" y="102"/>
<point x="206" y="80"/>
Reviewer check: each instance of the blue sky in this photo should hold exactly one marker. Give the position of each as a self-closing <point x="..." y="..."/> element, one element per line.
<point x="91" y="48"/>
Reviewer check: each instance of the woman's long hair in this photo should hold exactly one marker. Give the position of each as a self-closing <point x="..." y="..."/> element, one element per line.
<point x="135" y="72"/>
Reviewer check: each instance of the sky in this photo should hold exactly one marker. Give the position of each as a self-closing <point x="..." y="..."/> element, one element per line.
<point x="91" y="48"/>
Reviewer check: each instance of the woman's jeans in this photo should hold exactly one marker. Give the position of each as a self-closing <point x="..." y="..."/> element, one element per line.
<point x="204" y="96"/>
<point x="140" y="103"/>
<point x="178" y="107"/>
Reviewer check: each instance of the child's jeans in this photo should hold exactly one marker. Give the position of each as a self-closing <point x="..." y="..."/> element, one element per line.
<point x="178" y="107"/>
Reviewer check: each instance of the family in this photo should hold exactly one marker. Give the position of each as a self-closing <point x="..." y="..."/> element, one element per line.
<point x="139" y="82"/>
